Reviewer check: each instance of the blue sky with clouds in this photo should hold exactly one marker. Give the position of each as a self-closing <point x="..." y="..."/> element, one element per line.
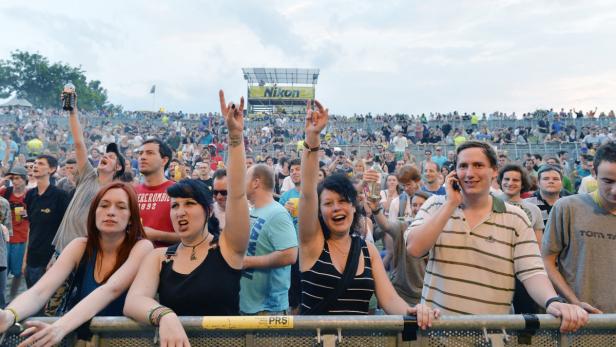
<point x="387" y="56"/>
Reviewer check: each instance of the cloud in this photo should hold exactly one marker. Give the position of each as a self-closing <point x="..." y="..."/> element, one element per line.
<point x="394" y="56"/>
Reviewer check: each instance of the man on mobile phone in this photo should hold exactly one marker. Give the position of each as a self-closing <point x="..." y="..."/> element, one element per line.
<point x="478" y="244"/>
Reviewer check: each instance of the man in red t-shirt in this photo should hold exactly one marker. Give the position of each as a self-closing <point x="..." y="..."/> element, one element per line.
<point x="154" y="203"/>
<point x="17" y="243"/>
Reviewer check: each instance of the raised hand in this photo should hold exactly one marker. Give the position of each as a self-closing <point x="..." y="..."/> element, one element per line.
<point x="233" y="114"/>
<point x="316" y="120"/>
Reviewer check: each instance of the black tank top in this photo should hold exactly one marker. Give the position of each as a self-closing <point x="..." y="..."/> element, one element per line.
<point x="211" y="289"/>
<point x="323" y="278"/>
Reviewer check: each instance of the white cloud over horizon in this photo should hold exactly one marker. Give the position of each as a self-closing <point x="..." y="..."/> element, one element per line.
<point x="394" y="56"/>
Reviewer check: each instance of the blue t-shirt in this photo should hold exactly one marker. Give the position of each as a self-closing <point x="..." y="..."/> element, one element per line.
<point x="3" y="148"/>
<point x="285" y="197"/>
<point x="440" y="191"/>
<point x="271" y="229"/>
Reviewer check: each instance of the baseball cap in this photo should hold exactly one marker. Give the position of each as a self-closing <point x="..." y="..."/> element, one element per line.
<point x="19" y="171"/>
<point x="112" y="147"/>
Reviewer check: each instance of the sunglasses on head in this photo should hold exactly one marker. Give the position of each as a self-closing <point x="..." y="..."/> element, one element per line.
<point x="221" y="192"/>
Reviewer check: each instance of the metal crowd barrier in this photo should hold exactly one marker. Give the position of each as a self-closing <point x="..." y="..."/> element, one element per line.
<point x="364" y="331"/>
<point x="513" y="150"/>
<point x="369" y="124"/>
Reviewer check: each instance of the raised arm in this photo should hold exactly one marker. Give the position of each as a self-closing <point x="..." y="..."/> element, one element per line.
<point x="310" y="235"/>
<point x="81" y="152"/>
<point x="7" y="152"/>
<point x="234" y="237"/>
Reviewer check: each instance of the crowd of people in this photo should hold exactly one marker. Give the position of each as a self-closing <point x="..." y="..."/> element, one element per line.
<point x="137" y="220"/>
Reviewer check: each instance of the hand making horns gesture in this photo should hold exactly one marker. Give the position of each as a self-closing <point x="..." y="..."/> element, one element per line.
<point x="234" y="115"/>
<point x="316" y="120"/>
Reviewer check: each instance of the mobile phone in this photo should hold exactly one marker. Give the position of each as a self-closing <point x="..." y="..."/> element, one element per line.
<point x="455" y="185"/>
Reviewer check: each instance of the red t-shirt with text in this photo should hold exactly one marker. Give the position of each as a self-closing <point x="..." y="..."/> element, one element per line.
<point x="154" y="207"/>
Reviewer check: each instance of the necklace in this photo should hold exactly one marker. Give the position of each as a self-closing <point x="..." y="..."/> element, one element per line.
<point x="339" y="250"/>
<point x="193" y="255"/>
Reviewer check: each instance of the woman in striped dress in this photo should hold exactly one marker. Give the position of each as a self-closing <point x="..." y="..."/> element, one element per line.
<point x="328" y="216"/>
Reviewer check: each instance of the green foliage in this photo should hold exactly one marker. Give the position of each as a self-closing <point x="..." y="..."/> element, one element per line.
<point x="32" y="77"/>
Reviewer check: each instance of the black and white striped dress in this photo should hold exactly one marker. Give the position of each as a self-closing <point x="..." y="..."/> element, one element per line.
<point x="323" y="277"/>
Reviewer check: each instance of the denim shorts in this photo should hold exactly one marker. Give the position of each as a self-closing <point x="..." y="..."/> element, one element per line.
<point x="15" y="257"/>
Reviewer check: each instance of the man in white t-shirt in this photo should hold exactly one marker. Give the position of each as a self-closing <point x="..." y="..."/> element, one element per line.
<point x="400" y="142"/>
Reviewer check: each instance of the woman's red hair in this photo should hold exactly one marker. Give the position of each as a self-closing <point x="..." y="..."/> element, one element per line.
<point x="134" y="231"/>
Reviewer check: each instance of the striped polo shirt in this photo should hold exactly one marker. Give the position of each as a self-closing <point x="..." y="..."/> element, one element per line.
<point x="471" y="271"/>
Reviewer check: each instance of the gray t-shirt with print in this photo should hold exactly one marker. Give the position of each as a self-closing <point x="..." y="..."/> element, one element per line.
<point x="73" y="224"/>
<point x="584" y="237"/>
<point x="532" y="212"/>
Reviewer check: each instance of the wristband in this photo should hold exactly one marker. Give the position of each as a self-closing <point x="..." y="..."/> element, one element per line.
<point x="313" y="149"/>
<point x="15" y="315"/>
<point x="151" y="313"/>
<point x="555" y="299"/>
<point x="160" y="315"/>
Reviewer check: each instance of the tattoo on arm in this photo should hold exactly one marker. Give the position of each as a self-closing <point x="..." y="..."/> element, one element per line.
<point x="235" y="141"/>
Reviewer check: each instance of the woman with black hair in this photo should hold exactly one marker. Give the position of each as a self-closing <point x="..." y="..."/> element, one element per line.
<point x="340" y="272"/>
<point x="200" y="275"/>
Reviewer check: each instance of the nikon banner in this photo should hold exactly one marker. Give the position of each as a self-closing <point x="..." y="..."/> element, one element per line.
<point x="264" y="92"/>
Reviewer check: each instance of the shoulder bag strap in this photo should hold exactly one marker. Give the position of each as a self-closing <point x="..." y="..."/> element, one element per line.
<point x="170" y="252"/>
<point x="349" y="273"/>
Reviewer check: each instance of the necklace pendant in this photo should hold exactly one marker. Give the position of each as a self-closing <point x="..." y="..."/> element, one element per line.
<point x="193" y="256"/>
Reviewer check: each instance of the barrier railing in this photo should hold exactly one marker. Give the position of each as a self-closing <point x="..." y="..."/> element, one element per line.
<point x="513" y="150"/>
<point x="341" y="122"/>
<point x="271" y="331"/>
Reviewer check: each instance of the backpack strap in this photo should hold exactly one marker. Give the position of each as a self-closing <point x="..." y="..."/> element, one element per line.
<point x="170" y="252"/>
<point x="349" y="273"/>
<point x="402" y="206"/>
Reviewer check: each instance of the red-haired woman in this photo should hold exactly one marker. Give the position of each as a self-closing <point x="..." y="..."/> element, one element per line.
<point x="105" y="264"/>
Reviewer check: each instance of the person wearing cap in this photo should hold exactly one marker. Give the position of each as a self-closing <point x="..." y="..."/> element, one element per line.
<point x="87" y="183"/>
<point x="16" y="247"/>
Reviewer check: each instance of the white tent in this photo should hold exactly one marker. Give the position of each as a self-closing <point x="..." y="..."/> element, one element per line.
<point x="15" y="101"/>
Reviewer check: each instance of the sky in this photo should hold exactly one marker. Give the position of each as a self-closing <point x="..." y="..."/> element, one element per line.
<point x="374" y="56"/>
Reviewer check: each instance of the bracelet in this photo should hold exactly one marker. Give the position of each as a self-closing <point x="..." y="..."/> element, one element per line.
<point x="235" y="141"/>
<point x="151" y="313"/>
<point x="555" y="299"/>
<point x="161" y="313"/>
<point x="311" y="149"/>
<point x="15" y="315"/>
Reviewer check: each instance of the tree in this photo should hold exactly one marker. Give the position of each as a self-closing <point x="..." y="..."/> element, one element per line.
<point x="31" y="76"/>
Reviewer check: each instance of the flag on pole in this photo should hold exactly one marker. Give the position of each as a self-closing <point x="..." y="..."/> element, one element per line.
<point x="153" y="89"/>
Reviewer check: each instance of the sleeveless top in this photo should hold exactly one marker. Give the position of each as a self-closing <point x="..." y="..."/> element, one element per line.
<point x="211" y="289"/>
<point x="323" y="278"/>
<point x="89" y="284"/>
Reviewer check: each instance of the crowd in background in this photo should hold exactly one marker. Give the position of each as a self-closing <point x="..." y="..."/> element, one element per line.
<point x="37" y="148"/>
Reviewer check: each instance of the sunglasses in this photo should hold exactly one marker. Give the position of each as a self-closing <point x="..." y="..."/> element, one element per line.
<point x="221" y="192"/>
